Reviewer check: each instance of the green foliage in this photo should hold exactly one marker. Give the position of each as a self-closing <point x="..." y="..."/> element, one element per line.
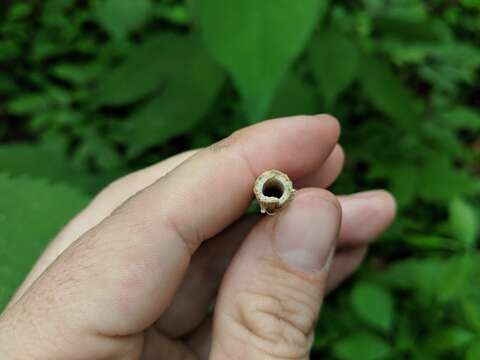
<point x="362" y="346"/>
<point x="373" y="304"/>
<point x="334" y="63"/>
<point x="257" y="41"/>
<point x="48" y="207"/>
<point x="95" y="89"/>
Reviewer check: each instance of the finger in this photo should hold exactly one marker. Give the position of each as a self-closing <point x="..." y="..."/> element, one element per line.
<point x="127" y="269"/>
<point x="344" y="264"/>
<point x="328" y="173"/>
<point x="364" y="217"/>
<point x="271" y="295"/>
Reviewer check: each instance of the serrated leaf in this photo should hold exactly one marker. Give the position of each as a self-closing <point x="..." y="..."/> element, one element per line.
<point x="386" y="92"/>
<point x="362" y="346"/>
<point x="31" y="213"/>
<point x="178" y="108"/>
<point x="334" y="60"/>
<point x="256" y="41"/>
<point x="120" y="17"/>
<point x="373" y="304"/>
<point x="463" y="221"/>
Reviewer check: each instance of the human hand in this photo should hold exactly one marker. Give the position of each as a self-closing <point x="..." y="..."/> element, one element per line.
<point x="134" y="275"/>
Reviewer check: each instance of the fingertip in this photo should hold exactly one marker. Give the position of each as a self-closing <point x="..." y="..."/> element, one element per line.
<point x="331" y="122"/>
<point x="366" y="215"/>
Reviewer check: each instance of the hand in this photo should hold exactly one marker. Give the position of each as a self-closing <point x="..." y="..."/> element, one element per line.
<point x="134" y="275"/>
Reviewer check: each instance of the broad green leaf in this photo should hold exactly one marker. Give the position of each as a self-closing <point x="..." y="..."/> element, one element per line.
<point x="293" y="97"/>
<point x="463" y="221"/>
<point x="386" y="92"/>
<point x="31" y="213"/>
<point x="256" y="42"/>
<point x="120" y="17"/>
<point x="373" y="304"/>
<point x="362" y="346"/>
<point x="334" y="60"/>
<point x="146" y="69"/>
<point x="178" y="108"/>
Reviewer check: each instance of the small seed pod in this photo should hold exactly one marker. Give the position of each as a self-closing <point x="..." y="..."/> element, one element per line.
<point x="273" y="190"/>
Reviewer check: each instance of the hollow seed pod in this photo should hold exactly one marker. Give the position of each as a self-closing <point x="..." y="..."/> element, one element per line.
<point x="273" y="191"/>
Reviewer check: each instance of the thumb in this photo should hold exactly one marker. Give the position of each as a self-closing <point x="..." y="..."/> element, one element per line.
<point x="271" y="295"/>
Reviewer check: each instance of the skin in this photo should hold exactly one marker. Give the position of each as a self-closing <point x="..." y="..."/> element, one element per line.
<point x="134" y="275"/>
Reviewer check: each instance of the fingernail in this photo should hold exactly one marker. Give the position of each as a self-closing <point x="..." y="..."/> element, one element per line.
<point x="306" y="232"/>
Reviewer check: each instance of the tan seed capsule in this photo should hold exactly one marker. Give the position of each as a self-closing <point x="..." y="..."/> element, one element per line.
<point x="273" y="190"/>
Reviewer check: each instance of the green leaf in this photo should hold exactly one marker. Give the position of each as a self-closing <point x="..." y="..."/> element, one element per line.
<point x="461" y="118"/>
<point x="40" y="162"/>
<point x="29" y="104"/>
<point x="463" y="221"/>
<point x="386" y="92"/>
<point x="76" y="74"/>
<point x="424" y="241"/>
<point x="256" y="42"/>
<point x="450" y="338"/>
<point x="440" y="180"/>
<point x="293" y="97"/>
<point x="147" y="67"/>
<point x="334" y="60"/>
<point x="120" y="17"/>
<point x="362" y="346"/>
<point x="373" y="304"/>
<point x="178" y="108"/>
<point x="31" y="213"/>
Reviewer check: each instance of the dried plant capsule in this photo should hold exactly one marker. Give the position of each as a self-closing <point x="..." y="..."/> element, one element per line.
<point x="273" y="190"/>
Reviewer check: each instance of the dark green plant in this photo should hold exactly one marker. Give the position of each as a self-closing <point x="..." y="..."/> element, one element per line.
<point x="91" y="90"/>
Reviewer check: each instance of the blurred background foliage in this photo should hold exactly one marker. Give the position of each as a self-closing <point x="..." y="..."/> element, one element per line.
<point x="91" y="90"/>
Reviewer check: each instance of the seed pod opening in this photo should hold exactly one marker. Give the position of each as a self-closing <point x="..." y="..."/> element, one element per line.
<point x="273" y="190"/>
